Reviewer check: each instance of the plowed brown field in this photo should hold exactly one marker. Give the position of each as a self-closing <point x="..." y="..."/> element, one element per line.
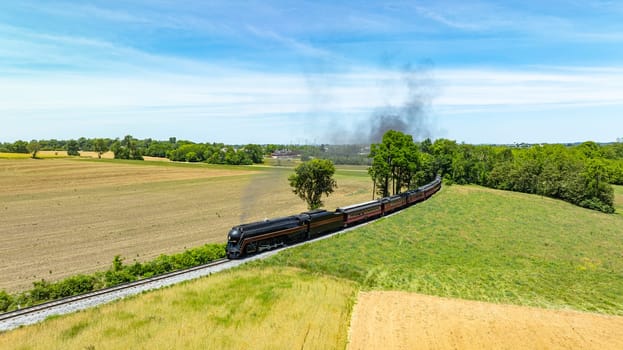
<point x="400" y="320"/>
<point x="61" y="217"/>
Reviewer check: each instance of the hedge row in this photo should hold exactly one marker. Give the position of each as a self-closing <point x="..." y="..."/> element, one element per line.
<point x="118" y="273"/>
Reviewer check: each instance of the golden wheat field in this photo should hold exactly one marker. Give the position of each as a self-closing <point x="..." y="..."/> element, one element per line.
<point x="64" y="216"/>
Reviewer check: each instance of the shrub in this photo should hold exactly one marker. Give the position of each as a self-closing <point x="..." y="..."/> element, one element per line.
<point x="117" y="274"/>
<point x="5" y="301"/>
<point x="41" y="291"/>
<point x="73" y="285"/>
<point x="113" y="278"/>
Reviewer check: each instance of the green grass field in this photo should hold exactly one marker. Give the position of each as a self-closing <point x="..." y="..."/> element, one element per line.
<point x="481" y="244"/>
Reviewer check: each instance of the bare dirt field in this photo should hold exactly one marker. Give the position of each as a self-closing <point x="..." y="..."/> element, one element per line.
<point x="400" y="320"/>
<point x="60" y="217"/>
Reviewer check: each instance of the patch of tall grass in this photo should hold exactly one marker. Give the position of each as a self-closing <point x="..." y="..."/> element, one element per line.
<point x="249" y="308"/>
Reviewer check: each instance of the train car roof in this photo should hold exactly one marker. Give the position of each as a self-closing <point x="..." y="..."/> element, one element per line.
<point x="397" y="196"/>
<point x="430" y="185"/>
<point x="314" y="212"/>
<point x="319" y="214"/>
<point x="365" y="204"/>
<point x="270" y="222"/>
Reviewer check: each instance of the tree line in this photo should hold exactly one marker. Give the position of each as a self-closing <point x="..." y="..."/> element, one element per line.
<point x="129" y="147"/>
<point x="580" y="174"/>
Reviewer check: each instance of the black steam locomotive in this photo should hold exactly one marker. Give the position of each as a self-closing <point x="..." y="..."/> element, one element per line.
<point x="264" y="235"/>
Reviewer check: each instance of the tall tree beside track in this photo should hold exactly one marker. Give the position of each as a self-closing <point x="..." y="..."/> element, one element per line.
<point x="396" y="163"/>
<point x="312" y="179"/>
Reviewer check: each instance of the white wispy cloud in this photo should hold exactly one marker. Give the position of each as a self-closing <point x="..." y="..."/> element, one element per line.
<point x="303" y="48"/>
<point x="248" y="101"/>
<point x="484" y="87"/>
<point x="33" y="51"/>
<point x="446" y="20"/>
<point x="169" y="16"/>
<point x="243" y="92"/>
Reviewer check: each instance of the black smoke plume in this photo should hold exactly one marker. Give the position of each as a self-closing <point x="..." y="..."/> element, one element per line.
<point x="413" y="116"/>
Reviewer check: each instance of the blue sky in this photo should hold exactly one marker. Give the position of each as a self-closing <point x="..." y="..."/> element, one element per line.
<point x="311" y="72"/>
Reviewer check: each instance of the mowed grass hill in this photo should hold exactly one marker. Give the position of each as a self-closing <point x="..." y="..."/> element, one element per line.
<point x="481" y="244"/>
<point x="466" y="242"/>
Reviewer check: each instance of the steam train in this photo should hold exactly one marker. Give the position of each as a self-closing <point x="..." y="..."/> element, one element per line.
<point x="256" y="237"/>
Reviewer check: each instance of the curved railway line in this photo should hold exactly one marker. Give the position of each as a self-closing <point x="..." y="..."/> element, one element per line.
<point x="40" y="312"/>
<point x="37" y="313"/>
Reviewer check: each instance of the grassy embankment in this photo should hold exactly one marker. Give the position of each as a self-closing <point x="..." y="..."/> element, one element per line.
<point x="243" y="309"/>
<point x="467" y="242"/>
<point x="481" y="244"/>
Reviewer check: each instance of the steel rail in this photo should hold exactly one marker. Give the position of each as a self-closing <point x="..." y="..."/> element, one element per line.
<point x="32" y="311"/>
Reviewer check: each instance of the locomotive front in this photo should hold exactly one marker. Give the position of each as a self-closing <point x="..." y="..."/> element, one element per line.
<point x="233" y="242"/>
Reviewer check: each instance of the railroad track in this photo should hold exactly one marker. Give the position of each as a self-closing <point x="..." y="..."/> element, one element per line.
<point x="40" y="312"/>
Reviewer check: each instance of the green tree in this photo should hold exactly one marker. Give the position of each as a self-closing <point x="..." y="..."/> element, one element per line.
<point x="19" y="146"/>
<point x="597" y="193"/>
<point x="255" y="153"/>
<point x="426" y="145"/>
<point x="192" y="157"/>
<point x="159" y="148"/>
<point x="444" y="151"/>
<point x="72" y="148"/>
<point x="33" y="147"/>
<point x="188" y="152"/>
<point x="396" y="162"/>
<point x="380" y="169"/>
<point x="590" y="149"/>
<point x="100" y="146"/>
<point x="126" y="149"/>
<point x="313" y="179"/>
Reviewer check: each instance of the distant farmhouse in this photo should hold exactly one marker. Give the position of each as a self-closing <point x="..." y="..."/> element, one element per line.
<point x="285" y="154"/>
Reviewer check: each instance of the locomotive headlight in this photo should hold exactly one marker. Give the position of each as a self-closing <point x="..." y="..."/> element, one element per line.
<point x="234" y="234"/>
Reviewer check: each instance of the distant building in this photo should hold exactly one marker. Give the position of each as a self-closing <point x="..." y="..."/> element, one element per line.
<point x="285" y="154"/>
